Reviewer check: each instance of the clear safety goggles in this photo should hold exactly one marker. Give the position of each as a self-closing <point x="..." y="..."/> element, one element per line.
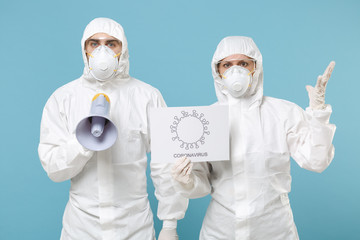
<point x="249" y="64"/>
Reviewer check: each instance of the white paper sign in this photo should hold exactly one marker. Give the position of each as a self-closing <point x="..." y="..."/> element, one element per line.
<point x="199" y="133"/>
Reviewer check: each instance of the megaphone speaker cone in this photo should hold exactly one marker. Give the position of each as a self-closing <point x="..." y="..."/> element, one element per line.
<point x="86" y="138"/>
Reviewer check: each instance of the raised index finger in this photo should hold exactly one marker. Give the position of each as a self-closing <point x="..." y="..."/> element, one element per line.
<point x="328" y="71"/>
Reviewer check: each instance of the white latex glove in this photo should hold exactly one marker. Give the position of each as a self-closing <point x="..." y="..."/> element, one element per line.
<point x="182" y="172"/>
<point x="317" y="93"/>
<point x="168" y="234"/>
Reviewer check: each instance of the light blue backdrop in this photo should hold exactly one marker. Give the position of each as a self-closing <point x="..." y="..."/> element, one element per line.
<point x="171" y="44"/>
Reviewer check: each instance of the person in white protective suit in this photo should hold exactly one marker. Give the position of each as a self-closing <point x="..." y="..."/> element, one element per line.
<point x="108" y="195"/>
<point x="250" y="192"/>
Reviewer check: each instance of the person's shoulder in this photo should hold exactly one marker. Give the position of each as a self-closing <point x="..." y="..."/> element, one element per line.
<point x="68" y="87"/>
<point x="62" y="93"/>
<point x="217" y="103"/>
<point x="143" y="87"/>
<point x="279" y="106"/>
<point x="65" y="90"/>
<point x="278" y="103"/>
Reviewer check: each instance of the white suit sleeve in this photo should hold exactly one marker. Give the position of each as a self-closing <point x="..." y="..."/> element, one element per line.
<point x="171" y="205"/>
<point x="202" y="186"/>
<point x="60" y="153"/>
<point x="309" y="137"/>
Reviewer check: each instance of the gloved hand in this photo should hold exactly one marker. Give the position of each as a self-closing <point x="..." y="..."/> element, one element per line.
<point x="317" y="93"/>
<point x="168" y="234"/>
<point x="182" y="172"/>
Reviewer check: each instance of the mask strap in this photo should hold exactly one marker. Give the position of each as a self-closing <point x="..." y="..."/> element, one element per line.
<point x="117" y="55"/>
<point x="89" y="54"/>
<point x="249" y="75"/>
<point x="251" y="72"/>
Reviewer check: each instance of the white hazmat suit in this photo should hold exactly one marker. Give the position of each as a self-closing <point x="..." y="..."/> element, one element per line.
<point x="108" y="195"/>
<point x="250" y="192"/>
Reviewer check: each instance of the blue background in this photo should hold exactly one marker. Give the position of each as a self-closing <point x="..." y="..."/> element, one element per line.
<point x="171" y="44"/>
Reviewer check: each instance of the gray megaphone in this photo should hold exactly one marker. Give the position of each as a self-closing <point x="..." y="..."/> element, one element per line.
<point x="96" y="132"/>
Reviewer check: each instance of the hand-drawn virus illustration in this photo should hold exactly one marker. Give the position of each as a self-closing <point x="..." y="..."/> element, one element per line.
<point x="194" y="122"/>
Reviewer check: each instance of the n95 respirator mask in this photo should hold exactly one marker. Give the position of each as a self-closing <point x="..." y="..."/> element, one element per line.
<point x="103" y="63"/>
<point x="237" y="80"/>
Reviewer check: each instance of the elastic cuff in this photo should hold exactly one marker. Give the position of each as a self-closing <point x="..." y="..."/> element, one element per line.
<point x="327" y="108"/>
<point x="322" y="116"/>
<point x="170" y="224"/>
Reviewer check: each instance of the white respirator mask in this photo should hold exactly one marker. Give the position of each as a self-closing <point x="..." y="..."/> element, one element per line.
<point x="237" y="80"/>
<point x="103" y="63"/>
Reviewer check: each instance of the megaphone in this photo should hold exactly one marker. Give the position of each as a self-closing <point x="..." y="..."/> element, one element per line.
<point x="96" y="132"/>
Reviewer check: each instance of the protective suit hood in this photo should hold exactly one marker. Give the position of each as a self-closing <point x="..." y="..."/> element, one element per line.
<point x="239" y="45"/>
<point x="112" y="28"/>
